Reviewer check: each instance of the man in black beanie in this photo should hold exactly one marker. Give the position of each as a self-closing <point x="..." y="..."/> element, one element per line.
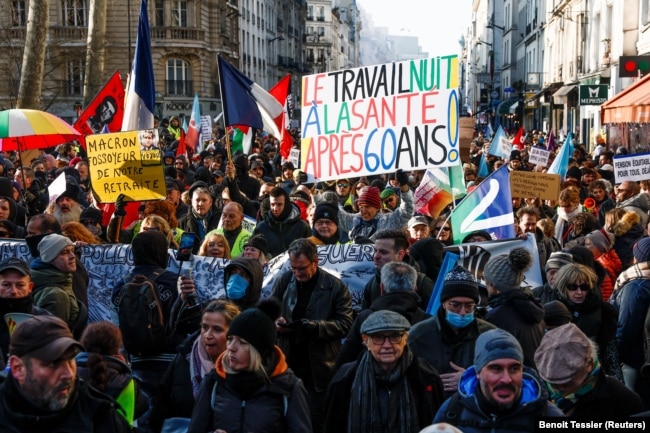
<point x="325" y="230"/>
<point x="447" y="339"/>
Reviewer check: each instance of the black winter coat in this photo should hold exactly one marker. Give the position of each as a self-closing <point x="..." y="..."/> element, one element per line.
<point x="522" y="315"/>
<point x="280" y="232"/>
<point x="88" y="410"/>
<point x="330" y="307"/>
<point x="423" y="380"/>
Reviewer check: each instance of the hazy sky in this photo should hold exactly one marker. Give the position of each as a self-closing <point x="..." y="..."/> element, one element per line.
<point x="437" y="23"/>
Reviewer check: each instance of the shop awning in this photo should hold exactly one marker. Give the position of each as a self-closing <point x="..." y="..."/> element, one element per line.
<point x="505" y="106"/>
<point x="632" y="105"/>
<point x="564" y="90"/>
<point x="551" y="88"/>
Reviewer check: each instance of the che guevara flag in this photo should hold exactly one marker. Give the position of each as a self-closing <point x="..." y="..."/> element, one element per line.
<point x="106" y="109"/>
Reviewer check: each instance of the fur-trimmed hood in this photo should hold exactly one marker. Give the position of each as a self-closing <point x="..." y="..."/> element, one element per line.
<point x="629" y="220"/>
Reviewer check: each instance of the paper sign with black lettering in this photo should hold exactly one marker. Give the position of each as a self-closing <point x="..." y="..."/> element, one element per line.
<point x="378" y="119"/>
<point x="633" y="167"/>
<point x="126" y="163"/>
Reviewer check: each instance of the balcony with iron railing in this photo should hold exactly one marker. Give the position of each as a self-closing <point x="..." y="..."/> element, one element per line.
<point x="178" y="34"/>
<point x="69" y="33"/>
<point x="179" y="87"/>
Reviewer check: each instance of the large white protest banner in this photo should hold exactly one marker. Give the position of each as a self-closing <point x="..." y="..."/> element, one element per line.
<point x="107" y="265"/>
<point x="378" y="119"/>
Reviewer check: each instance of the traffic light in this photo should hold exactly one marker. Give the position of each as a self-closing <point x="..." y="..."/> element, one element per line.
<point x="630" y="66"/>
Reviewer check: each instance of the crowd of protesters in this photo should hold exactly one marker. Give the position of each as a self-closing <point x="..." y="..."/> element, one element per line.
<point x="303" y="360"/>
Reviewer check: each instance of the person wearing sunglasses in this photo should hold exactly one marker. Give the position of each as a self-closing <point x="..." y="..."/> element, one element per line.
<point x="441" y="230"/>
<point x="387" y="375"/>
<point x="597" y="319"/>
<point x="343" y="190"/>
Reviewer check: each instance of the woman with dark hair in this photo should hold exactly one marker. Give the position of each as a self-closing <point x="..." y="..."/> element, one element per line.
<point x="441" y="230"/>
<point x="252" y="389"/>
<point x="196" y="357"/>
<point x="104" y="367"/>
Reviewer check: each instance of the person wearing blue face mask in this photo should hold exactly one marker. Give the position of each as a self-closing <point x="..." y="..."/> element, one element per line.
<point x="447" y="339"/>
<point x="243" y="282"/>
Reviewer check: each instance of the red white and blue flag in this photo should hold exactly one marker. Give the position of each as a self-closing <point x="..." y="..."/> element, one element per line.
<point x="140" y="94"/>
<point x="245" y="102"/>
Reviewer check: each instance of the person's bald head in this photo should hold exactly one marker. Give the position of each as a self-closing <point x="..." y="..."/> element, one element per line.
<point x="232" y="216"/>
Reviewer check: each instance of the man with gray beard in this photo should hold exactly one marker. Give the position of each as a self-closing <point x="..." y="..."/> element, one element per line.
<point x="42" y="393"/>
<point x="66" y="208"/>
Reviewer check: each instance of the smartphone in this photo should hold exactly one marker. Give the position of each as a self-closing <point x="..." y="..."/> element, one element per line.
<point x="185" y="247"/>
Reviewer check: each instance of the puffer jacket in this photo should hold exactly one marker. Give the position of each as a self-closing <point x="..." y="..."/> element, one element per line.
<point x="632" y="300"/>
<point x="276" y="407"/>
<point x="463" y="411"/>
<point x="280" y="232"/>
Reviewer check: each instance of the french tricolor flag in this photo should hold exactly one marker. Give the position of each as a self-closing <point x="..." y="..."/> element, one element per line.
<point x="245" y="102"/>
<point x="140" y="94"/>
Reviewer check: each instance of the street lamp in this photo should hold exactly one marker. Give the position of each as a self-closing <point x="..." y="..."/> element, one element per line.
<point x="491" y="24"/>
<point x="483" y="42"/>
<point x="281" y="38"/>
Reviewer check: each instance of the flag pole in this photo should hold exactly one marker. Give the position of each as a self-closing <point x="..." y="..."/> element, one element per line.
<point x="223" y="114"/>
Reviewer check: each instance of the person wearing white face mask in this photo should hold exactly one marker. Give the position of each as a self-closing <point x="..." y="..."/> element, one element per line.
<point x="447" y="339"/>
<point x="243" y="281"/>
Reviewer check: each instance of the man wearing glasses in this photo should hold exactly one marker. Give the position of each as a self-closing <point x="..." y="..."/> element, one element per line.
<point x="316" y="315"/>
<point x="630" y="198"/>
<point x="361" y="396"/>
<point x="447" y="339"/>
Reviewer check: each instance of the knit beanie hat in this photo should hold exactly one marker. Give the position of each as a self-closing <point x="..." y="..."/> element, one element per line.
<point x="641" y="250"/>
<point x="257" y="325"/>
<point x="557" y="259"/>
<point x="601" y="239"/>
<point x="386" y="193"/>
<point x="496" y="344"/>
<point x="259" y="242"/>
<point x="459" y="282"/>
<point x="328" y="211"/>
<point x="150" y="248"/>
<point x="91" y="213"/>
<point x="506" y="271"/>
<point x="51" y="245"/>
<point x="370" y="197"/>
<point x="556" y="314"/>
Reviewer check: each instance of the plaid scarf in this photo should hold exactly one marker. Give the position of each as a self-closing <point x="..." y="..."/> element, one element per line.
<point x="634" y="272"/>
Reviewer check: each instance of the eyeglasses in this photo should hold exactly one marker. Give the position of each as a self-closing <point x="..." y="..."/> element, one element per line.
<point x="581" y="287"/>
<point x="146" y="229"/>
<point x="87" y="222"/>
<point x="444" y="229"/>
<point x="343" y="185"/>
<point x="381" y="338"/>
<point x="454" y="306"/>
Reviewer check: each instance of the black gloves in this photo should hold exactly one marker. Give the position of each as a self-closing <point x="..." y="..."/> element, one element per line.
<point x="402" y="177"/>
<point x="303" y="326"/>
<point x="120" y="206"/>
